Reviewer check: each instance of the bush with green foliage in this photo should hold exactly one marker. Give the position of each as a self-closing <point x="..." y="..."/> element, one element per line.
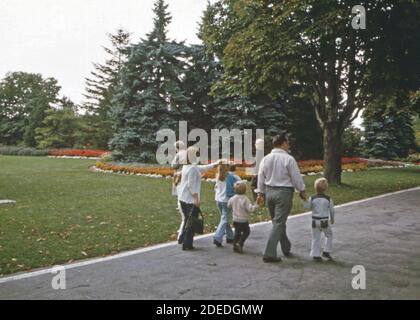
<point x="58" y="129"/>
<point x="389" y="130"/>
<point x="352" y="140"/>
<point x="22" y="151"/>
<point x="415" y="157"/>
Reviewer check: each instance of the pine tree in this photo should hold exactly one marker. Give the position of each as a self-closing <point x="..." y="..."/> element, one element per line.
<point x="388" y="130"/>
<point x="59" y="127"/>
<point x="150" y="97"/>
<point x="100" y="88"/>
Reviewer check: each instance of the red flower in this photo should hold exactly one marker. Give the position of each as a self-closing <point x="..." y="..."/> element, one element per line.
<point x="78" y="153"/>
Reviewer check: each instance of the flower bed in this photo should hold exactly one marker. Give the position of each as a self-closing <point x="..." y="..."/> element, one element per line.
<point x="307" y="167"/>
<point x="83" y="153"/>
<point x="156" y="171"/>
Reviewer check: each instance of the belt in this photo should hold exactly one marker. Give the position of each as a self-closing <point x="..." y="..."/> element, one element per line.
<point x="282" y="188"/>
<point x="320" y="218"/>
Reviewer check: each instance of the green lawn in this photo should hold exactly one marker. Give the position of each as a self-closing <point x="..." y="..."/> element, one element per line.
<point x="65" y="212"/>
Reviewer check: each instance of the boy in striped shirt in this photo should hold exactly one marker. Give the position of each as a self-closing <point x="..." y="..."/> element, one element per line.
<point x="322" y="216"/>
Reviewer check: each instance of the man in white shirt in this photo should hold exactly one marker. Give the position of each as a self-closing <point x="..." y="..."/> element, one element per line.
<point x="278" y="177"/>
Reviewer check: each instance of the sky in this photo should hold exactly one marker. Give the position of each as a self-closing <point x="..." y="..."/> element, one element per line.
<point x="61" y="38"/>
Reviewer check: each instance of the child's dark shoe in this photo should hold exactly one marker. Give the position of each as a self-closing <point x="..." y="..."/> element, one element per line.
<point x="289" y="255"/>
<point x="327" y="255"/>
<point x="229" y="240"/>
<point x="236" y="247"/>
<point x="217" y="243"/>
<point x="271" y="259"/>
<point x="318" y="259"/>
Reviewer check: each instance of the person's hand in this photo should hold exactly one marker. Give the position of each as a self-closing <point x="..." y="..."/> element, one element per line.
<point x="222" y="161"/>
<point x="260" y="199"/>
<point x="196" y="201"/>
<point x="302" y="195"/>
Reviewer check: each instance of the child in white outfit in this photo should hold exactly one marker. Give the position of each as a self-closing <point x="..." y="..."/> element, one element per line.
<point x="322" y="215"/>
<point x="241" y="209"/>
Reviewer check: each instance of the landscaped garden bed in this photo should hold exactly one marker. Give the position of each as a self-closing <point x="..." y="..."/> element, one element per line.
<point x="307" y="167"/>
<point x="78" y="153"/>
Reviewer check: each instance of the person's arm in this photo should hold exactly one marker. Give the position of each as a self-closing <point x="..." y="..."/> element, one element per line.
<point x="229" y="204"/>
<point x="261" y="179"/>
<point x="175" y="162"/>
<point x="296" y="177"/>
<point x="194" y="185"/>
<point x="206" y="167"/>
<point x="249" y="207"/>
<point x="308" y="204"/>
<point x="332" y="212"/>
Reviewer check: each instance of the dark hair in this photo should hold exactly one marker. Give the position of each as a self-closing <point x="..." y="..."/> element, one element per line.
<point x="232" y="167"/>
<point x="280" y="138"/>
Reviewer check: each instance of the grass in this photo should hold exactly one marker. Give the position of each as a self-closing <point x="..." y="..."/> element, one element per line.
<point x="65" y="212"/>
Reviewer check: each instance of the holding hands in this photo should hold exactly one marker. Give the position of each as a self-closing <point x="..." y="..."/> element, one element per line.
<point x="260" y="199"/>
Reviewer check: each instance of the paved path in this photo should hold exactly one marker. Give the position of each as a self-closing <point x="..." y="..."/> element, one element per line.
<point x="382" y="234"/>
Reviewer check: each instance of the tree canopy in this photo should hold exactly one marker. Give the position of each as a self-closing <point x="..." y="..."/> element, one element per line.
<point x="266" y="46"/>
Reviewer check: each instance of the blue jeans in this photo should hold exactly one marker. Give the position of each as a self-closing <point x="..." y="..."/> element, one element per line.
<point x="224" y="226"/>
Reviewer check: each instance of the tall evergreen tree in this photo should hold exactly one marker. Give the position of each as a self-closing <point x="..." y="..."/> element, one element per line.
<point x="150" y="97"/>
<point x="388" y="128"/>
<point x="100" y="88"/>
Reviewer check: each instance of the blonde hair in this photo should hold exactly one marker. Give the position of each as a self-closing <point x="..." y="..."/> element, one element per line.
<point x="222" y="171"/>
<point x="240" y="187"/>
<point x="192" y="155"/>
<point x="179" y="145"/>
<point x="259" y="144"/>
<point x="321" y="185"/>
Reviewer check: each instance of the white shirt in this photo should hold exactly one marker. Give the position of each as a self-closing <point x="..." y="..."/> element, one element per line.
<point x="322" y="207"/>
<point x="191" y="181"/>
<point x="241" y="207"/>
<point x="179" y="160"/>
<point x="279" y="169"/>
<point x="220" y="191"/>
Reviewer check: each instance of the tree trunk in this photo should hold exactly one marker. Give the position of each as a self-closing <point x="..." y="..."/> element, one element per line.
<point x="332" y="153"/>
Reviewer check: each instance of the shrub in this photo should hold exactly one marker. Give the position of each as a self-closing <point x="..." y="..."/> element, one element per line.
<point x="415" y="157"/>
<point x="22" y="151"/>
<point x="107" y="156"/>
<point x="352" y="138"/>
